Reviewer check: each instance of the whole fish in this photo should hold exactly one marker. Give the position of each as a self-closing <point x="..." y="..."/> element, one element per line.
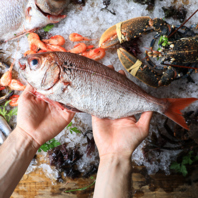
<point x="19" y="17"/>
<point x="81" y="84"/>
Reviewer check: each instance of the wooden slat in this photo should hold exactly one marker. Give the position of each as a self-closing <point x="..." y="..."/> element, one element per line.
<point x="36" y="184"/>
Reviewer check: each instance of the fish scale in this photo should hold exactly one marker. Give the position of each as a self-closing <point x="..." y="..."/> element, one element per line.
<point x="89" y="86"/>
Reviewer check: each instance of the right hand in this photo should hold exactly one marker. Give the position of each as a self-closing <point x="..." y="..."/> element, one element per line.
<point x="121" y="136"/>
<point x="39" y="119"/>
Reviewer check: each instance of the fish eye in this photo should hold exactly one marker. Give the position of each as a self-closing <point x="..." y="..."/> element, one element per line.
<point x="34" y="63"/>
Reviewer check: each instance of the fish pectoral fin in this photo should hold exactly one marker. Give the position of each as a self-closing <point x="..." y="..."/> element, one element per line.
<point x="71" y="108"/>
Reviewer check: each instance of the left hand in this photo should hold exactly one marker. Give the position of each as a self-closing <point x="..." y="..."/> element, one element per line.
<point x="39" y="119"/>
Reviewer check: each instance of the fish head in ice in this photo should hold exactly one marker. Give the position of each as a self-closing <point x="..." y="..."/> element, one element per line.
<point x="41" y="71"/>
<point x="43" y="12"/>
<point x="53" y="7"/>
<point x="20" y="17"/>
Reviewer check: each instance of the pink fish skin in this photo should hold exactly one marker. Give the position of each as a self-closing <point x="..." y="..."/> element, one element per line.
<point x="85" y="85"/>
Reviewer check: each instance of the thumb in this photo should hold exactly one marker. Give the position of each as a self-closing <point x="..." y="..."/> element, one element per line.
<point x="144" y="121"/>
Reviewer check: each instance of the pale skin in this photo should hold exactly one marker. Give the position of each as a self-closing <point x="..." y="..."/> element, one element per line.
<point x="116" y="140"/>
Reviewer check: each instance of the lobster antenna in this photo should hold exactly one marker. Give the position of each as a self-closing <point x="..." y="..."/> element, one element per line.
<point x="180" y="66"/>
<point x="182" y="24"/>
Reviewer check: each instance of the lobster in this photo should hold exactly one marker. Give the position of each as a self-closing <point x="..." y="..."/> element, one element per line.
<point x="181" y="48"/>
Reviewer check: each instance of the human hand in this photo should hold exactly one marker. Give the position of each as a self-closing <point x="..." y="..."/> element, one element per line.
<point x="121" y="136"/>
<point x="39" y="119"/>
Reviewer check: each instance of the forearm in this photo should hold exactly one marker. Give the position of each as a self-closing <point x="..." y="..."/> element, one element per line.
<point x="16" y="154"/>
<point x="113" y="178"/>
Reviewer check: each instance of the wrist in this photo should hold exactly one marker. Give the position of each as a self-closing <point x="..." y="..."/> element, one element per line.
<point x="115" y="159"/>
<point x="26" y="137"/>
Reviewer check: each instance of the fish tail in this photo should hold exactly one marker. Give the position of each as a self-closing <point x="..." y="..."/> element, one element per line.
<point x="174" y="110"/>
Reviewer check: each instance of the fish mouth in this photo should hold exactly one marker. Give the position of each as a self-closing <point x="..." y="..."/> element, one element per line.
<point x="53" y="18"/>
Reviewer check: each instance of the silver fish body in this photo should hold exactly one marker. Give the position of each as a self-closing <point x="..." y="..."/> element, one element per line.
<point x="88" y="86"/>
<point x="5" y="129"/>
<point x="2" y="138"/>
<point x="21" y="16"/>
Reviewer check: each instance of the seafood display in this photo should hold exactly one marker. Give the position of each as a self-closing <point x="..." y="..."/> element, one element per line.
<point x="180" y="50"/>
<point x="55" y="43"/>
<point x="83" y="85"/>
<point x="91" y="87"/>
<point x="19" y="17"/>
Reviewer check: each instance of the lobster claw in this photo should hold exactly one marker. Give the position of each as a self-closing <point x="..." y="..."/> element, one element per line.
<point x="136" y="68"/>
<point x="124" y="31"/>
<point x="132" y="28"/>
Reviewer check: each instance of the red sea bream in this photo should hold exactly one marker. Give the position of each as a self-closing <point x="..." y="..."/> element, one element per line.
<point x="81" y="84"/>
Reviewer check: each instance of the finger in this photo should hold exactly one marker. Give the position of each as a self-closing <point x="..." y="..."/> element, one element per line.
<point x="27" y="93"/>
<point x="67" y="115"/>
<point x="122" y="72"/>
<point x="132" y="118"/>
<point x="144" y="121"/>
<point x="28" y="88"/>
<point x="111" y="67"/>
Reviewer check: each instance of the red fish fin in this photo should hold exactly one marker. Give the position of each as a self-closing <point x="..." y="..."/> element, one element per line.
<point x="174" y="110"/>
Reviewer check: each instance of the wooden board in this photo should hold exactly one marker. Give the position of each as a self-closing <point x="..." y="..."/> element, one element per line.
<point x="159" y="185"/>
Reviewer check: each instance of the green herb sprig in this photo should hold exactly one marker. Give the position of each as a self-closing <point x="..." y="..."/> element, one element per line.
<point x="163" y="41"/>
<point x="72" y="129"/>
<point x="49" y="145"/>
<point x="186" y="160"/>
<point x="48" y="27"/>
<point x="7" y="114"/>
<point x="80" y="189"/>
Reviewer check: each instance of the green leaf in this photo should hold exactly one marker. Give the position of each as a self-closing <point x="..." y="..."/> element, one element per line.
<point x="74" y="129"/>
<point x="164" y="44"/>
<point x="160" y="40"/>
<point x="48" y="27"/>
<point x="196" y="158"/>
<point x="159" y="49"/>
<point x="186" y="159"/>
<point x="183" y="170"/>
<point x="190" y="153"/>
<point x="49" y="145"/>
<point x="175" y="166"/>
<point x="45" y="147"/>
<point x="80" y="189"/>
<point x="69" y="125"/>
<point x="7" y="102"/>
<point x="11" y="113"/>
<point x="56" y="144"/>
